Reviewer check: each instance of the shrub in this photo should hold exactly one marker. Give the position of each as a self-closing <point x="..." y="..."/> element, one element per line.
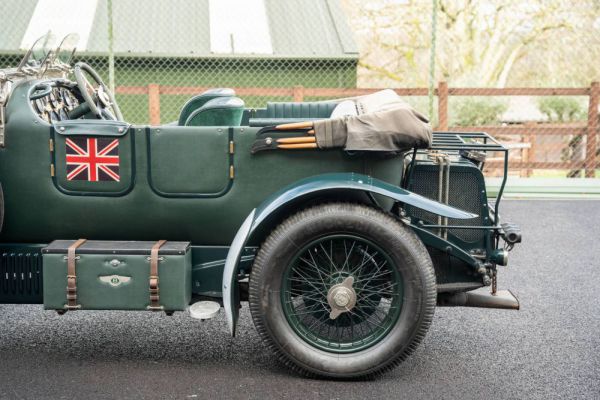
<point x="473" y="112"/>
<point x="561" y="109"/>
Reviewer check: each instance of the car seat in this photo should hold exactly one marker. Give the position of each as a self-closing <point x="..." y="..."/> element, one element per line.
<point x="196" y="102"/>
<point x="220" y="111"/>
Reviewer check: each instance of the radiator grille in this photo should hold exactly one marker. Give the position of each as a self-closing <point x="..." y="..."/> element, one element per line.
<point x="20" y="276"/>
<point x="465" y="194"/>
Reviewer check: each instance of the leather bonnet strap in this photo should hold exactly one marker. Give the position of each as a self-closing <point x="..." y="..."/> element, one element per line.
<point x="72" y="275"/>
<point x="154" y="291"/>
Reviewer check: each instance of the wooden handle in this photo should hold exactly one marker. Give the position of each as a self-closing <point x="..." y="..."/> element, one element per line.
<point x="293" y="140"/>
<point x="297" y="146"/>
<point x="295" y="125"/>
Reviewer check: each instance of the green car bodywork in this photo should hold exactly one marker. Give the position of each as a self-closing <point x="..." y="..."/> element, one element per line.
<point x="342" y="255"/>
<point x="197" y="180"/>
<point x="177" y="182"/>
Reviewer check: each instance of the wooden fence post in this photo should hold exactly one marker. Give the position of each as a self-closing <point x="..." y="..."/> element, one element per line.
<point x="592" y="131"/>
<point x="529" y="153"/>
<point x="298" y="93"/>
<point x="442" y="93"/>
<point x="154" y="103"/>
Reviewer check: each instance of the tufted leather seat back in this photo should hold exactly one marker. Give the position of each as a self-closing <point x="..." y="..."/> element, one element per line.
<point x="220" y="111"/>
<point x="299" y="110"/>
<point x="198" y="101"/>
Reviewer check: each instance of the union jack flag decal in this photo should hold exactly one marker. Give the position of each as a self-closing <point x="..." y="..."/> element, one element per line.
<point x="92" y="159"/>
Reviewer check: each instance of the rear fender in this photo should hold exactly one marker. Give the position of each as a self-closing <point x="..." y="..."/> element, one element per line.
<point x="304" y="189"/>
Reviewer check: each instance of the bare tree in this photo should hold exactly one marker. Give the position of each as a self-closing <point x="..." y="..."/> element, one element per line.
<point x="480" y="43"/>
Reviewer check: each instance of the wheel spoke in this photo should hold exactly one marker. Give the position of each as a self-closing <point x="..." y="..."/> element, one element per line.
<point x="308" y="281"/>
<point x="332" y="264"/>
<point x="359" y="268"/>
<point x="311" y="312"/>
<point x="379" y="275"/>
<point x="310" y="299"/>
<point x="314" y="265"/>
<point x="347" y="254"/>
<point x="366" y="319"/>
<point x="380" y="292"/>
<point x="329" y="266"/>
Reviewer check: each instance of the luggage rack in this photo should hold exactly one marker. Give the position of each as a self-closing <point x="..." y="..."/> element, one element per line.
<point x="455" y="142"/>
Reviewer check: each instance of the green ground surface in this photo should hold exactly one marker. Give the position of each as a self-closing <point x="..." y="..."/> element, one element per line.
<point x="554" y="188"/>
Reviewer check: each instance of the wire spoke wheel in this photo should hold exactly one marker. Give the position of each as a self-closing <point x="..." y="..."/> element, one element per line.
<point x="342" y="290"/>
<point x="339" y="318"/>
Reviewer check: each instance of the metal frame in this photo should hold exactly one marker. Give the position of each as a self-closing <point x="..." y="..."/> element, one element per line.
<point x="453" y="143"/>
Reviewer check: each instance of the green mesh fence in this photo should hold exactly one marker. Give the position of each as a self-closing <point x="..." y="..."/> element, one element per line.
<point x="339" y="45"/>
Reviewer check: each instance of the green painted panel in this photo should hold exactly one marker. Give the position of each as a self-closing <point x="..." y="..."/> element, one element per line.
<point x="93" y="137"/>
<point x="143" y="214"/>
<point x="206" y="155"/>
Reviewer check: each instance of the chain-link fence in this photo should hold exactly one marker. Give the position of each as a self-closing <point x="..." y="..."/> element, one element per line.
<point x="521" y="70"/>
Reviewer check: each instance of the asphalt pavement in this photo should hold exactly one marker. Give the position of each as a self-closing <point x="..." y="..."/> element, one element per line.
<point x="549" y="349"/>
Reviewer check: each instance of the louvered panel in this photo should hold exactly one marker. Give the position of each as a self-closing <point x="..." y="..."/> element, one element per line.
<point x="466" y="186"/>
<point x="21" y="275"/>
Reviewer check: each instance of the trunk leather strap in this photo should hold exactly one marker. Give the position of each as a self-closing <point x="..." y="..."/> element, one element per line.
<point x="154" y="291"/>
<point x="72" y="276"/>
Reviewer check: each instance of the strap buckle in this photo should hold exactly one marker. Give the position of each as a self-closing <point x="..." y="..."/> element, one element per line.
<point x="154" y="279"/>
<point x="71" y="291"/>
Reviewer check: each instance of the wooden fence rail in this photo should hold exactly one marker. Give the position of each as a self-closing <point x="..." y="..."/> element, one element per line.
<point x="529" y="131"/>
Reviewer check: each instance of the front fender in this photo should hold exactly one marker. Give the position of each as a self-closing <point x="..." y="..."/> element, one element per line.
<point x="305" y="188"/>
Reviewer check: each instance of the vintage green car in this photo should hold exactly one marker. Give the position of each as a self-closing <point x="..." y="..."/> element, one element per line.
<point x="341" y="252"/>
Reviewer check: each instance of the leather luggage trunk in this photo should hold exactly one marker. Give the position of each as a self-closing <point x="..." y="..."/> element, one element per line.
<point x="115" y="275"/>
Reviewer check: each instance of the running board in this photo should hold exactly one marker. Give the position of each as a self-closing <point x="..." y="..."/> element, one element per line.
<point x="502" y="299"/>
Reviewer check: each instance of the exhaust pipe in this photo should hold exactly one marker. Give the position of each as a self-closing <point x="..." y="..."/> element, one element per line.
<point x="502" y="299"/>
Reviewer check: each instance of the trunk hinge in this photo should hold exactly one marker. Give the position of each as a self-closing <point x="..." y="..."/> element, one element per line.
<point x="231" y="151"/>
<point x="5" y="88"/>
<point x="1" y="123"/>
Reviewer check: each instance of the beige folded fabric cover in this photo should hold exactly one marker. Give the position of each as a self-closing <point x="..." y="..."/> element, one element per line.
<point x="384" y="122"/>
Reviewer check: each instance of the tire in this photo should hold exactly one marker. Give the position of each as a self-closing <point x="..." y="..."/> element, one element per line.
<point x="295" y="284"/>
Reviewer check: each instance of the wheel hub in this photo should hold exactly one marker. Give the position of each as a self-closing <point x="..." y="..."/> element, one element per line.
<point x="341" y="297"/>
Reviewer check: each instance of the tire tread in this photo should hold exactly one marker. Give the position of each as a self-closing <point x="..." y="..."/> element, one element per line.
<point x="317" y="212"/>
